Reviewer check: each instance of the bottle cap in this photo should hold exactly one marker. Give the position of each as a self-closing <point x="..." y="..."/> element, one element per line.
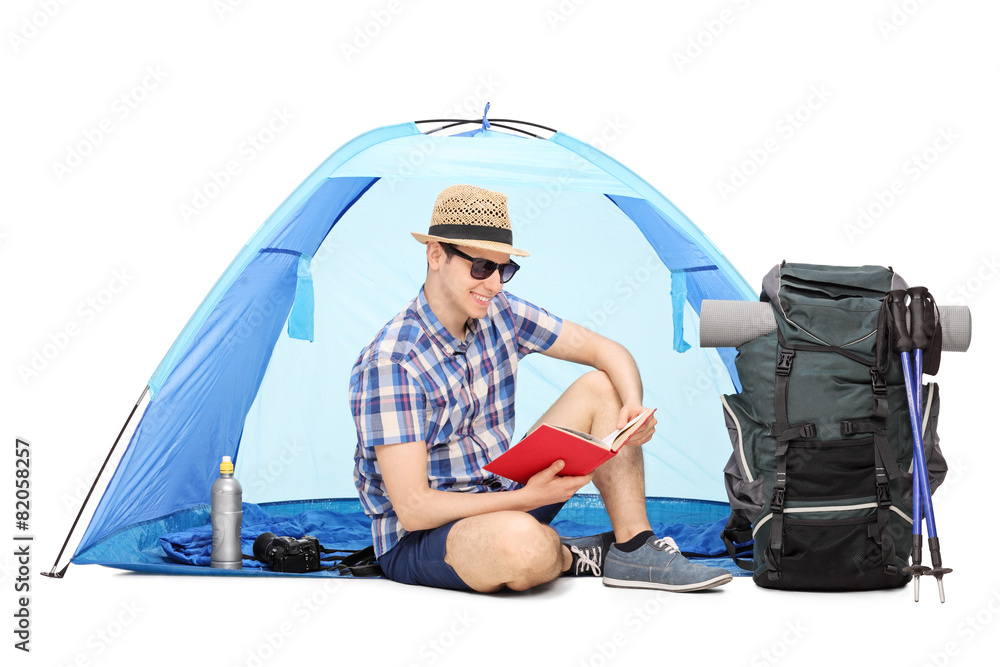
<point x="226" y="467"/>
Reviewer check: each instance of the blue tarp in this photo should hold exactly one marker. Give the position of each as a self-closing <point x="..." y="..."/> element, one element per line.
<point x="348" y="531"/>
<point x="352" y="531"/>
<point x="341" y="525"/>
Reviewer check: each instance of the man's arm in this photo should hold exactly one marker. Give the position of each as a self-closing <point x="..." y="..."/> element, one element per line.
<point x="583" y="346"/>
<point x="418" y="507"/>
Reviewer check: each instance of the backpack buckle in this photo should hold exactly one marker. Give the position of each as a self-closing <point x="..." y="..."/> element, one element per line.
<point x="882" y="488"/>
<point x="778" y="500"/>
<point x="778" y="494"/>
<point x="785" y="362"/>
<point x="878" y="382"/>
<point x="882" y="496"/>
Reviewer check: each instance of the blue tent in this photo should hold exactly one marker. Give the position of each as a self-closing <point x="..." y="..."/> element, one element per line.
<point x="260" y="372"/>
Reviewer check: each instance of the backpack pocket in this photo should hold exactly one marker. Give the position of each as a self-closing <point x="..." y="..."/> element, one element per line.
<point x="831" y="548"/>
<point x="816" y="467"/>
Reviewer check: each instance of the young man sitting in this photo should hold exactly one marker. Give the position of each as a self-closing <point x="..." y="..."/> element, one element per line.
<point x="433" y="400"/>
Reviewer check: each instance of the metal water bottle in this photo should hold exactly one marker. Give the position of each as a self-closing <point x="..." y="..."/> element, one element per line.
<point x="227" y="518"/>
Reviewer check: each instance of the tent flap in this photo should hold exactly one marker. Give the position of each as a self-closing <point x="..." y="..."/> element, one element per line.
<point x="678" y="297"/>
<point x="300" y="322"/>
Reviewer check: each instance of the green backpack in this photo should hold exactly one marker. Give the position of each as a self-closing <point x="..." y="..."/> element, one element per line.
<point x="820" y="478"/>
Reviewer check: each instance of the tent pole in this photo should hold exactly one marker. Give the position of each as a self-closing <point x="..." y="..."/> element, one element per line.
<point x="502" y="120"/>
<point x="452" y="122"/>
<point x="62" y="572"/>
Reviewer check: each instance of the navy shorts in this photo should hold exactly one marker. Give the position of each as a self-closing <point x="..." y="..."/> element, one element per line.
<point x="418" y="558"/>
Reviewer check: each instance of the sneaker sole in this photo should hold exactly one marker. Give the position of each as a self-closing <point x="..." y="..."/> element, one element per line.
<point x="677" y="588"/>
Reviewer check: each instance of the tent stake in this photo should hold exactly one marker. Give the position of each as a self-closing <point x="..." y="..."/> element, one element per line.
<point x="62" y="572"/>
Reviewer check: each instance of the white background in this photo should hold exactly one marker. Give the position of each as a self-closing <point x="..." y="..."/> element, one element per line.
<point x="886" y="79"/>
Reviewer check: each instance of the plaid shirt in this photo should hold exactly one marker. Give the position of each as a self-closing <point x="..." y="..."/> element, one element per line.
<point x="415" y="381"/>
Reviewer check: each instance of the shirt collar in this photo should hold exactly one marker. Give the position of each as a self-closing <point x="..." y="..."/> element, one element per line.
<point x="437" y="331"/>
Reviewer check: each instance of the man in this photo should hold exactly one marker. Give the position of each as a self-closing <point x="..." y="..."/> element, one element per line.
<point x="433" y="401"/>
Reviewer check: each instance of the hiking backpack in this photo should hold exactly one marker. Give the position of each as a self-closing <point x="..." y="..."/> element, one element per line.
<point x="820" y="478"/>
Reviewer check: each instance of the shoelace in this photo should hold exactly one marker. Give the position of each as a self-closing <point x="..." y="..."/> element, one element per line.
<point x="668" y="544"/>
<point x="587" y="559"/>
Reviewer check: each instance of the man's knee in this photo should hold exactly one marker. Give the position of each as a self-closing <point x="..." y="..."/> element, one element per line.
<point x="507" y="548"/>
<point x="529" y="553"/>
<point x="598" y="384"/>
<point x="533" y="552"/>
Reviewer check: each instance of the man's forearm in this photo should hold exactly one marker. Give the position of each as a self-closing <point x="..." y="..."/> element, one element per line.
<point x="430" y="508"/>
<point x="617" y="362"/>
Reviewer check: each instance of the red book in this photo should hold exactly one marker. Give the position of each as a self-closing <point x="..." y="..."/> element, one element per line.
<point x="581" y="452"/>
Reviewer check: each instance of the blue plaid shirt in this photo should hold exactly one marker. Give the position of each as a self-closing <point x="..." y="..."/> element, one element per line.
<point x="415" y="381"/>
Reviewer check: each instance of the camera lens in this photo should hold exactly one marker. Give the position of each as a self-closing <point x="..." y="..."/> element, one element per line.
<point x="262" y="547"/>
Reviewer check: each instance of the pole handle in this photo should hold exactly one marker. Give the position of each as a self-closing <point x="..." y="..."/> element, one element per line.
<point x="921" y="316"/>
<point x="897" y="310"/>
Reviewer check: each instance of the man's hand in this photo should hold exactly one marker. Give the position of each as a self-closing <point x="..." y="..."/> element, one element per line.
<point x="645" y="432"/>
<point x="546" y="486"/>
<point x="418" y="507"/>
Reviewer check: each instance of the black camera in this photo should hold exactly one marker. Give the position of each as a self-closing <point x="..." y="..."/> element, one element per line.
<point x="287" y="554"/>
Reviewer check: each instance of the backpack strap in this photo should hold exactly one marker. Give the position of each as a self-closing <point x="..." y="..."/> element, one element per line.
<point x="360" y="563"/>
<point x="785" y="433"/>
<point x="886" y="467"/>
<point x="781" y="429"/>
<point x="737" y="531"/>
<point x="772" y="553"/>
<point x="881" y="532"/>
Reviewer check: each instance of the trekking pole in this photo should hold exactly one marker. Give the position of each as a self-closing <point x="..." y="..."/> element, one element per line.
<point x="922" y="325"/>
<point x="903" y="345"/>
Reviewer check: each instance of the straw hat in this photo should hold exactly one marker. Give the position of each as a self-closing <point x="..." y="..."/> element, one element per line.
<point x="470" y="216"/>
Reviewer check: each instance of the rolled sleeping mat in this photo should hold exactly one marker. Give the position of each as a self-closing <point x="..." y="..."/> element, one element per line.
<point x="732" y="323"/>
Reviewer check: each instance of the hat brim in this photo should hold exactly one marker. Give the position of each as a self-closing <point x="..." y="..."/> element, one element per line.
<point x="473" y="243"/>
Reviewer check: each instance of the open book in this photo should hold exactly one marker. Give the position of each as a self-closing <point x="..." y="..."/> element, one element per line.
<point x="582" y="452"/>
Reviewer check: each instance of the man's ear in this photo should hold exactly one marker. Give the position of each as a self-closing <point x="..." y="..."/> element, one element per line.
<point x="435" y="255"/>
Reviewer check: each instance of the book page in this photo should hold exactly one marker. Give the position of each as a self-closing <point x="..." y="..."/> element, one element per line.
<point x="626" y="431"/>
<point x="585" y="436"/>
<point x="608" y="441"/>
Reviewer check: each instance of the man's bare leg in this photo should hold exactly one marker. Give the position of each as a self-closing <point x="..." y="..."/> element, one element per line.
<point x="513" y="549"/>
<point x="509" y="549"/>
<point x="591" y="404"/>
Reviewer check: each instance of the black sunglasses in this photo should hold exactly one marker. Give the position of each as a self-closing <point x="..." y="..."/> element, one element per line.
<point x="483" y="268"/>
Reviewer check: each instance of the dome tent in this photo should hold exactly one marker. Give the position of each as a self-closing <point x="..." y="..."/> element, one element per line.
<point x="260" y="371"/>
